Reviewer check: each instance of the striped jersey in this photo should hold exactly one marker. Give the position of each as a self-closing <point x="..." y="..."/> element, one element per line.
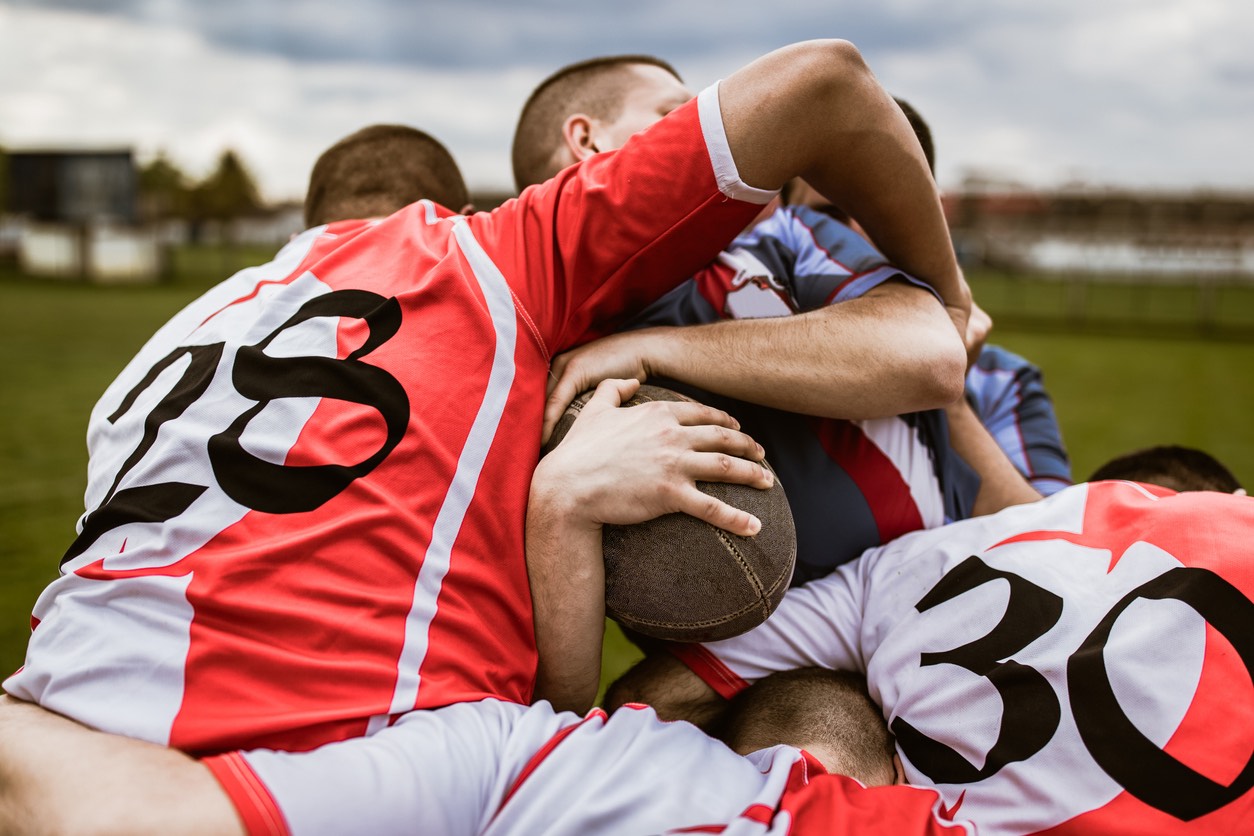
<point x="306" y="493"/>
<point x="1008" y="394"/>
<point x="851" y="484"/>
<point x="1077" y="665"/>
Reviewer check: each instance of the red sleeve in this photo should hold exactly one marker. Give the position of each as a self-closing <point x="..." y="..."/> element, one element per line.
<point x="829" y="804"/>
<point x="710" y="669"/>
<point x="606" y="237"/>
<point x="257" y="809"/>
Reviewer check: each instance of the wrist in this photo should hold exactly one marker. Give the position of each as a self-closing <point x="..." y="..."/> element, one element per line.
<point x="557" y="501"/>
<point x="658" y="348"/>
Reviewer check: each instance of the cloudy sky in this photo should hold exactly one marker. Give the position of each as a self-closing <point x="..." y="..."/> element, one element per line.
<point x="1156" y="93"/>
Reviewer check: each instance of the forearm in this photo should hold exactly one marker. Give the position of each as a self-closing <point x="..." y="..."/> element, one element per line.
<point x="619" y="466"/>
<point x="1001" y="484"/>
<point x="567" y="576"/>
<point x="883" y="354"/>
<point x="671" y="688"/>
<point x="57" y="776"/>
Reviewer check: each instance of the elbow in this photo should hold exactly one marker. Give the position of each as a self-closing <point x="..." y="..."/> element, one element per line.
<point x="821" y="72"/>
<point x="951" y="374"/>
<point x="830" y="62"/>
<point x="941" y="373"/>
<point x="835" y="68"/>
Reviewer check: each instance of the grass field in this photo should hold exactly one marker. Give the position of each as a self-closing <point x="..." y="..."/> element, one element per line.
<point x="63" y="343"/>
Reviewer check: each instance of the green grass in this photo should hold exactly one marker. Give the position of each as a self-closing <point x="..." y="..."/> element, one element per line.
<point x="1222" y="309"/>
<point x="63" y="342"/>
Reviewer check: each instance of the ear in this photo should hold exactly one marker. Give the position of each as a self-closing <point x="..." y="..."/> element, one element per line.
<point x="577" y="137"/>
<point x="900" y="770"/>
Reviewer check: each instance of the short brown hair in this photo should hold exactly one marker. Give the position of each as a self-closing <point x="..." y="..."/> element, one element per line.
<point x="812" y="707"/>
<point x="379" y="170"/>
<point x="597" y="87"/>
<point x="1170" y="466"/>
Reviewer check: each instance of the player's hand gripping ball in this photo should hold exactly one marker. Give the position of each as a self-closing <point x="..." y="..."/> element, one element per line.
<point x="679" y="578"/>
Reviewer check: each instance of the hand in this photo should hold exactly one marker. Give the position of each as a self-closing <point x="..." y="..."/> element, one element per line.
<point x="623" y="466"/>
<point x="961" y="307"/>
<point x="979" y="324"/>
<point x="616" y="356"/>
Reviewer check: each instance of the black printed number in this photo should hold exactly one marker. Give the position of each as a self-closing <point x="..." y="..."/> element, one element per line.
<point x="1031" y="710"/>
<point x="1128" y="756"/>
<point x="251" y="481"/>
<point x="1031" y="713"/>
<point x="282" y="489"/>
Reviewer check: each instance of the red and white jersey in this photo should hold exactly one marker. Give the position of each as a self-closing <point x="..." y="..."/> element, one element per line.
<point x="306" y="494"/>
<point x="1079" y="665"/>
<point x="496" y="768"/>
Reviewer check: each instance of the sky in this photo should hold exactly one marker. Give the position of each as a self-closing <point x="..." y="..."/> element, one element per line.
<point x="1141" y="93"/>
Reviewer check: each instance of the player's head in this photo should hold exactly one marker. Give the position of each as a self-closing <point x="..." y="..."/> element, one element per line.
<point x="591" y="106"/>
<point x="1171" y="466"/>
<point x="827" y="713"/>
<point x="379" y="170"/>
<point x="921" y="131"/>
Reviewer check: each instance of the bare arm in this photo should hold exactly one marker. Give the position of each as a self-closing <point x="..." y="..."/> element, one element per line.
<point x="1001" y="484"/>
<point x="58" y="777"/>
<point x="671" y="688"/>
<point x="815" y="110"/>
<point x="888" y="352"/>
<point x="618" y="466"/>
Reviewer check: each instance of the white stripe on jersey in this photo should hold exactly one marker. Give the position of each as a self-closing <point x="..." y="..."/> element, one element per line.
<point x="448" y="521"/>
<point x="725" y="172"/>
<point x="900" y="443"/>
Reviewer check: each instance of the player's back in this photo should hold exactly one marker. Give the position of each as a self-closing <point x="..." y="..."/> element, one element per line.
<point x="270" y="505"/>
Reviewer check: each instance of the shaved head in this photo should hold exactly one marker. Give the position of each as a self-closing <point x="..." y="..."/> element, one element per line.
<point x="597" y="87"/>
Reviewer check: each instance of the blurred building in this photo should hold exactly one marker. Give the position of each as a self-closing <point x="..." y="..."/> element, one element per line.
<point x="1137" y="235"/>
<point x="73" y="186"/>
<point x="75" y="216"/>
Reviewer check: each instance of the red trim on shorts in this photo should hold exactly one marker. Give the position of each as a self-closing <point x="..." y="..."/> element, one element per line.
<point x="255" y="805"/>
<point x="726" y="682"/>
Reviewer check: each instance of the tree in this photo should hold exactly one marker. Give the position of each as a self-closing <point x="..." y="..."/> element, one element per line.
<point x="228" y="192"/>
<point x="164" y="190"/>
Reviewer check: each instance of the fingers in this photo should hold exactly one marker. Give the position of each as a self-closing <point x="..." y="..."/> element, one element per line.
<point x="610" y="394"/>
<point x="616" y="356"/>
<point x="718" y="513"/>
<point x="708" y="438"/>
<point x="693" y="414"/>
<point x="720" y="467"/>
<point x="561" y="393"/>
<point x="557" y="371"/>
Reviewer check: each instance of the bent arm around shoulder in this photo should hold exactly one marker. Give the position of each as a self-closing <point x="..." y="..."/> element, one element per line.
<point x="58" y="777"/>
<point x="888" y="352"/>
<point x="815" y="110"/>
